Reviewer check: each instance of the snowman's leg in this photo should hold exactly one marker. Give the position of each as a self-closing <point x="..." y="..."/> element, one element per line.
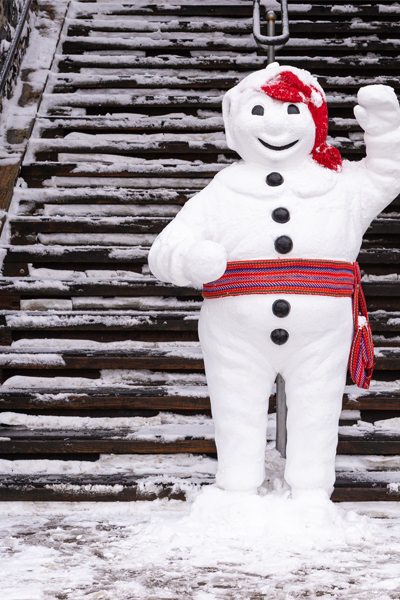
<point x="240" y="381"/>
<point x="314" y="392"/>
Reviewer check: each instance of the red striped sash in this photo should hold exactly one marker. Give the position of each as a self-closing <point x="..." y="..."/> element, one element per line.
<point x="302" y="276"/>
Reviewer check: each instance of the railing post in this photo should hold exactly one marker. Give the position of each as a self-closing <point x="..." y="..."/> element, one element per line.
<point x="281" y="416"/>
<point x="271" y="18"/>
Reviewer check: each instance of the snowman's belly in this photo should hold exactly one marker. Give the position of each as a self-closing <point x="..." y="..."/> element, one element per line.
<point x="320" y="229"/>
<point x="310" y="319"/>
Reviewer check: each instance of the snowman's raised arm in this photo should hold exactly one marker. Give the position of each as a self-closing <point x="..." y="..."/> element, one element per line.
<point x="183" y="253"/>
<point x="378" y="113"/>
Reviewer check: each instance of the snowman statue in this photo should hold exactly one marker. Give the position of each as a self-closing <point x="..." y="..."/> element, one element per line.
<point x="273" y="241"/>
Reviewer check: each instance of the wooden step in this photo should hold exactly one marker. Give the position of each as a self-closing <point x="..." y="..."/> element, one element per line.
<point x="138" y="254"/>
<point x="163" y="439"/>
<point x="50" y="127"/>
<point x="317" y="62"/>
<point x="126" y="487"/>
<point x="145" y="358"/>
<point x="130" y="78"/>
<point x="61" y="104"/>
<point x="213" y="143"/>
<point x="183" y="397"/>
<point x="84" y="28"/>
<point x="206" y="8"/>
<point x="320" y="8"/>
<point x="24" y="228"/>
<point x="141" y="286"/>
<point x="223" y="42"/>
<point x="27" y="230"/>
<point x="105" y="488"/>
<point x="169" y="358"/>
<point x="97" y="149"/>
<point x="32" y="197"/>
<point x="110" y="401"/>
<point x="36" y="174"/>
<point x="341" y="8"/>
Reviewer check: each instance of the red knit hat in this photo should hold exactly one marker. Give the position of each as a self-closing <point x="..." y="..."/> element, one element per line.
<point x="287" y="87"/>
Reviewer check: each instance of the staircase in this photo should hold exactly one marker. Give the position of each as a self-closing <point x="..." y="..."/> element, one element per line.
<point x="98" y="358"/>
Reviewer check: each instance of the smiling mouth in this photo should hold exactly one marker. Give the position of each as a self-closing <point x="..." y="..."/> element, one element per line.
<point x="278" y="147"/>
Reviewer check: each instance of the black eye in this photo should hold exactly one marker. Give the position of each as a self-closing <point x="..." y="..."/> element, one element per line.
<point x="258" y="110"/>
<point x="293" y="110"/>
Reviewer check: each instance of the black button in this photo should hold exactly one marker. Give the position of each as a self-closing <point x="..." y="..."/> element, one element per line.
<point x="281" y="215"/>
<point x="281" y="308"/>
<point x="274" y="179"/>
<point x="279" y="336"/>
<point x="283" y="244"/>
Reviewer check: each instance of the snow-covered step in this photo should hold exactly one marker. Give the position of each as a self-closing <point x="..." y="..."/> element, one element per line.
<point x="90" y="255"/>
<point x="131" y="122"/>
<point x="223" y="42"/>
<point x="97" y="99"/>
<point x="114" y="123"/>
<point x="190" y="79"/>
<point x="151" y="200"/>
<point x="85" y="27"/>
<point x="187" y="144"/>
<point x="123" y="78"/>
<point x="108" y="170"/>
<point x="175" y="358"/>
<point x="228" y="9"/>
<point x="27" y="230"/>
<point x="53" y="283"/>
<point x="121" y="487"/>
<point x="125" y="487"/>
<point x="180" y="396"/>
<point x="182" y="8"/>
<point x="153" y="391"/>
<point x="50" y="259"/>
<point x="132" y="230"/>
<point x="73" y="62"/>
<point x="187" y="357"/>
<point x="84" y="147"/>
<point x="163" y="439"/>
<point x="145" y="24"/>
<point x="106" y="195"/>
<point x="196" y="438"/>
<point x="89" y="320"/>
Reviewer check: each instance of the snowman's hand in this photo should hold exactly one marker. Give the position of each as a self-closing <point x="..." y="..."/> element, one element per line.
<point x="205" y="261"/>
<point x="378" y="110"/>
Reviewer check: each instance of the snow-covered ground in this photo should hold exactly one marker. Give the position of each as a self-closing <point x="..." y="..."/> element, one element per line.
<point x="216" y="545"/>
<point x="250" y="549"/>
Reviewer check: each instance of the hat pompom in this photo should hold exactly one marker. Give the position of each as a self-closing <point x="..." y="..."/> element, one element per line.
<point x="328" y="156"/>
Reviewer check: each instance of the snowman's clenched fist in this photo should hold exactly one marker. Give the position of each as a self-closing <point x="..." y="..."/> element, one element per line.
<point x="378" y="110"/>
<point x="204" y="262"/>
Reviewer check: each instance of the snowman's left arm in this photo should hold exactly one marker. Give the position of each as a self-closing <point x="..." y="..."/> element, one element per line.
<point x="378" y="175"/>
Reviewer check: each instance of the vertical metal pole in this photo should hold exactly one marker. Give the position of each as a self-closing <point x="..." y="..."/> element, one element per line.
<point x="281" y="415"/>
<point x="271" y="18"/>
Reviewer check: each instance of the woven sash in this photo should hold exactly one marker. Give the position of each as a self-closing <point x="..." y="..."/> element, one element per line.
<point x="302" y="276"/>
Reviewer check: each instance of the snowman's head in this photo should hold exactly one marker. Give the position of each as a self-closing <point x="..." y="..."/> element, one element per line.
<point x="278" y="117"/>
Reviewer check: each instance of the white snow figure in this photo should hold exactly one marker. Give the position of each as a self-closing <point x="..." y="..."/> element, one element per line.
<point x="289" y="208"/>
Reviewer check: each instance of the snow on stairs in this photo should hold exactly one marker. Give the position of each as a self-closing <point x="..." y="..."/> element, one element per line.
<point x="97" y="357"/>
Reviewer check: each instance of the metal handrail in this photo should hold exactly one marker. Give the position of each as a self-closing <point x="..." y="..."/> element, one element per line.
<point x="13" y="46"/>
<point x="271" y="41"/>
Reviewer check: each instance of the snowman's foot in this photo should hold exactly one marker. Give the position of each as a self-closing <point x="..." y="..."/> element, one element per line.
<point x="315" y="507"/>
<point x="317" y="496"/>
